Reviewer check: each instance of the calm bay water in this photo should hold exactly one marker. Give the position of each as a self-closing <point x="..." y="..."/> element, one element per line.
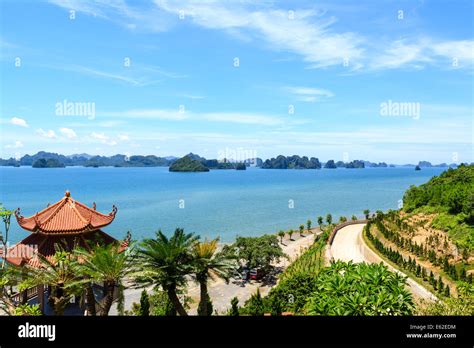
<point x="221" y="203"/>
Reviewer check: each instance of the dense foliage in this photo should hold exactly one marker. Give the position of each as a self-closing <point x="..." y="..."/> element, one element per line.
<point x="453" y="189"/>
<point x="359" y="289"/>
<point x="291" y="293"/>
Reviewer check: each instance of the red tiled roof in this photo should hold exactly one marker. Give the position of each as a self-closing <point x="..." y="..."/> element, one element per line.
<point x="26" y="251"/>
<point x="66" y="216"/>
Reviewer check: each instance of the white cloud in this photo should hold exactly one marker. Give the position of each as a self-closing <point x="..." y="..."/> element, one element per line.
<point x="244" y="118"/>
<point x="68" y="133"/>
<point x="123" y="137"/>
<point x="17" y="145"/>
<point x="193" y="97"/>
<point x="161" y="114"/>
<point x="50" y="134"/>
<point x="309" y="94"/>
<point x="104" y="139"/>
<point x="418" y="53"/>
<point x="19" y="122"/>
<point x="308" y="33"/>
<point x="120" y="12"/>
<point x="176" y="115"/>
<point x="461" y="52"/>
<point x="99" y="136"/>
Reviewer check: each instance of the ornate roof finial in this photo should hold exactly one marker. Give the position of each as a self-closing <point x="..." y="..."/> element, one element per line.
<point x="68" y="194"/>
<point x="114" y="210"/>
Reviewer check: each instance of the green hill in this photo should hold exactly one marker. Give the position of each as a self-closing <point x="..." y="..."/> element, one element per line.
<point x="451" y="196"/>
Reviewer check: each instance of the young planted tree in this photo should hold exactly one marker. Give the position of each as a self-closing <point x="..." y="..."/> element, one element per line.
<point x="234" y="310"/>
<point x="308" y="225"/>
<point x="354" y="218"/>
<point x="281" y="234"/>
<point x="290" y="233"/>
<point x="301" y="230"/>
<point x="207" y="263"/>
<point x="164" y="263"/>
<point x="329" y="219"/>
<point x="320" y="221"/>
<point x="366" y="213"/>
<point x="144" y="304"/>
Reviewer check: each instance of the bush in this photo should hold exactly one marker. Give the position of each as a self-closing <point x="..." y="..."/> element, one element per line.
<point x="254" y="305"/>
<point x="290" y="294"/>
<point x="359" y="289"/>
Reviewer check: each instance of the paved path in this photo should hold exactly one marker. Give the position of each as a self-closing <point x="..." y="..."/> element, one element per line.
<point x="349" y="245"/>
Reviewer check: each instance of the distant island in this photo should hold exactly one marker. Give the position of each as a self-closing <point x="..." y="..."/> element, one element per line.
<point x="292" y="162"/>
<point x="196" y="163"/>
<point x="47" y="163"/>
<point x="45" y="159"/>
<point x="188" y="164"/>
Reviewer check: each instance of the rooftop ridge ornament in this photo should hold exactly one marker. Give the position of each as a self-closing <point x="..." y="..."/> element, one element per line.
<point x="114" y="210"/>
<point x="17" y="213"/>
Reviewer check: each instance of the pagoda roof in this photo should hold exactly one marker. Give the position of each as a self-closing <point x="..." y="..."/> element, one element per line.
<point x="67" y="216"/>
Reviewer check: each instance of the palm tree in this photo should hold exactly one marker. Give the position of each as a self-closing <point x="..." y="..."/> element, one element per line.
<point x="290" y="233"/>
<point x="102" y="264"/>
<point x="59" y="273"/>
<point x="320" y="221"/>
<point x="281" y="234"/>
<point x="208" y="263"/>
<point x="165" y="262"/>
<point x="308" y="225"/>
<point x="301" y="230"/>
<point x="329" y="219"/>
<point x="366" y="213"/>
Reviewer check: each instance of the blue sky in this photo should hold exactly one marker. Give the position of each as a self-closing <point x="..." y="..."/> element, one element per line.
<point x="296" y="77"/>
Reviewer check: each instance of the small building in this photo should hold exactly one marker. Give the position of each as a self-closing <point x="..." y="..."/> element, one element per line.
<point x="67" y="223"/>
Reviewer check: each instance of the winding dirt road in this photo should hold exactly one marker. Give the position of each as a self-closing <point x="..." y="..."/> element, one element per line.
<point x="348" y="244"/>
